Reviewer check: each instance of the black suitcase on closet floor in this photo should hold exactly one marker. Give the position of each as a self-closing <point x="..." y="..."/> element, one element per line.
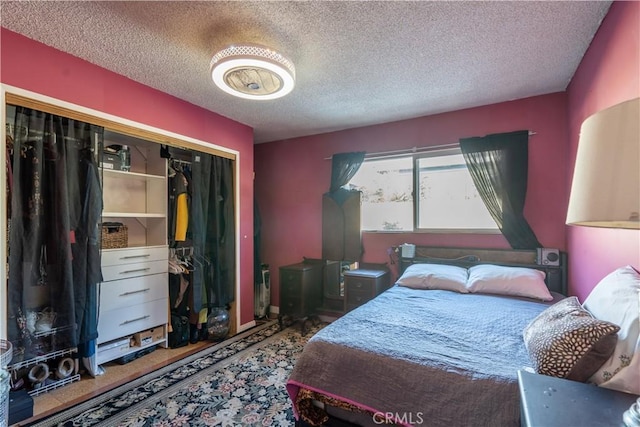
<point x="179" y="337"/>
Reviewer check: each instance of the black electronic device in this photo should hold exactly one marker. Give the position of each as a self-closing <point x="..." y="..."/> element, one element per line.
<point x="133" y="356"/>
<point x="547" y="256"/>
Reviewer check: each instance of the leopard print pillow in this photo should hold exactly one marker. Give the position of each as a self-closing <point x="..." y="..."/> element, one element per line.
<point x="566" y="341"/>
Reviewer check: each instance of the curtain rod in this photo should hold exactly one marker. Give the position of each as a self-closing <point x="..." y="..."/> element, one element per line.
<point x="414" y="150"/>
<point x="186" y="162"/>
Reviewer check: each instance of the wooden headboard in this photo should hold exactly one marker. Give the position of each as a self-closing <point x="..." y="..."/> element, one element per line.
<point x="556" y="276"/>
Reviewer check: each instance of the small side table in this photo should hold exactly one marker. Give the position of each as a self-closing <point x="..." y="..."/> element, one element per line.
<point x="300" y="293"/>
<point x="362" y="285"/>
<point x="549" y="402"/>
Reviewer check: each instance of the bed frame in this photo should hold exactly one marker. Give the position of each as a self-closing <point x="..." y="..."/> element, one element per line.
<point x="556" y="276"/>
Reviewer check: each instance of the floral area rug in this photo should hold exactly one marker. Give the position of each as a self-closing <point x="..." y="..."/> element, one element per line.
<point x="240" y="382"/>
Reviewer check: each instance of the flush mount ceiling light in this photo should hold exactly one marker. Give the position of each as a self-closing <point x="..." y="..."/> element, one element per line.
<point x="252" y="72"/>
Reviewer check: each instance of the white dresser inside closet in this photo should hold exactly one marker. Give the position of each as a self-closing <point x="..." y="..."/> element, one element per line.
<point x="133" y="296"/>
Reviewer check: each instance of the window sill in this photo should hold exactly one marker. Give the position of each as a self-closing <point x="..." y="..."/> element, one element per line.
<point x="437" y="231"/>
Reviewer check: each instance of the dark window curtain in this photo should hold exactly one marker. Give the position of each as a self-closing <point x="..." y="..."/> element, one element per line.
<point x="343" y="167"/>
<point x="213" y="232"/>
<point x="498" y="165"/>
<point x="54" y="258"/>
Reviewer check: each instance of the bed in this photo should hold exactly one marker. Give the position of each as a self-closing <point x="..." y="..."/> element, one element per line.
<point x="428" y="355"/>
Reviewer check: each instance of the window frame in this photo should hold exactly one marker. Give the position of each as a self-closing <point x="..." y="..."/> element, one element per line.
<point x="415" y="212"/>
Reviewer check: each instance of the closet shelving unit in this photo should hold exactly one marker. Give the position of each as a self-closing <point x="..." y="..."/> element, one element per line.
<point x="134" y="293"/>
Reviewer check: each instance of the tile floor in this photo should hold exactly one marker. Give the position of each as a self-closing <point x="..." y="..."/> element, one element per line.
<point x="115" y="374"/>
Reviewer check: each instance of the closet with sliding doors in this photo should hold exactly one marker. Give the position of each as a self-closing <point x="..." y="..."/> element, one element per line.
<point x="92" y="227"/>
<point x="202" y="245"/>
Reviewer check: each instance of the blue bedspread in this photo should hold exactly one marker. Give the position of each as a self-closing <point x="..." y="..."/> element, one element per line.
<point x="451" y="357"/>
<point x="480" y="335"/>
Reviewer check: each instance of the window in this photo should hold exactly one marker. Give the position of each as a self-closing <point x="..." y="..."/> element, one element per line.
<point x="387" y="194"/>
<point x="447" y="198"/>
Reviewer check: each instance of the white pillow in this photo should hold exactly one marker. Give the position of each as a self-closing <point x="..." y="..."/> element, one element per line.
<point x="435" y="276"/>
<point x="514" y="281"/>
<point x="616" y="299"/>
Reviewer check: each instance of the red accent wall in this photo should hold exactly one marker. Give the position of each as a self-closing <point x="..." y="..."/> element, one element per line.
<point x="608" y="74"/>
<point x="33" y="66"/>
<point x="292" y="175"/>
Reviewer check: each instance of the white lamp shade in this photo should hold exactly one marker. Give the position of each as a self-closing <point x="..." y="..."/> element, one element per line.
<point x="605" y="191"/>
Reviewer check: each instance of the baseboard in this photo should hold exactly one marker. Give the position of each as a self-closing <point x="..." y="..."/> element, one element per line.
<point x="246" y="326"/>
<point x="274" y="309"/>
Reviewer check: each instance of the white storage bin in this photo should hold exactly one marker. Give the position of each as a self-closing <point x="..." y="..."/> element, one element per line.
<point x="113" y="350"/>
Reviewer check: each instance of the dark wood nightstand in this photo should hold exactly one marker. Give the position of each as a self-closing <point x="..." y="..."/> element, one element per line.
<point x="363" y="285"/>
<point x="300" y="292"/>
<point x="549" y="402"/>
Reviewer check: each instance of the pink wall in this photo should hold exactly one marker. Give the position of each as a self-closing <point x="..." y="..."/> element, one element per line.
<point x="292" y="175"/>
<point x="38" y="68"/>
<point x="608" y="74"/>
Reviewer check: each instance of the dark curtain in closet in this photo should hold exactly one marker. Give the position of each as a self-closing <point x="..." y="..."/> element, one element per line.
<point x="54" y="250"/>
<point x="212" y="224"/>
<point x="498" y="165"/>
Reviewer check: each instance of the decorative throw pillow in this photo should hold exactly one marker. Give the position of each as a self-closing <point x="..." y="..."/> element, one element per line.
<point x="566" y="341"/>
<point x="515" y="281"/>
<point x="616" y="299"/>
<point x="435" y="276"/>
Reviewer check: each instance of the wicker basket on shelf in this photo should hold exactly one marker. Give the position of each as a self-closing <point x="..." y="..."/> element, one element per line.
<point x="114" y="235"/>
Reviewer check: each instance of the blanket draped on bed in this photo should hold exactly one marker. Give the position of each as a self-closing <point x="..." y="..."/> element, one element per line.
<point x="424" y="356"/>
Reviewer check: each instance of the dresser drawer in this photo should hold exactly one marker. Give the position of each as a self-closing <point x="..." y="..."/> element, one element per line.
<point x="134" y="255"/>
<point x="125" y="321"/>
<point x="291" y="289"/>
<point x="130" y="292"/>
<point x="124" y="271"/>
<point x="291" y="306"/>
<point x="291" y="278"/>
<point x="359" y="295"/>
<point x="354" y="301"/>
<point x="360" y="285"/>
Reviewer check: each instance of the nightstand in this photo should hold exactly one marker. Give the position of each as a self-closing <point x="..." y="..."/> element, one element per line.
<point x="300" y="291"/>
<point x="549" y="402"/>
<point x="363" y="285"/>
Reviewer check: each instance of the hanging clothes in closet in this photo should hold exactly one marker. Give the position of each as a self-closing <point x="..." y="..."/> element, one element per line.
<point x="179" y="284"/>
<point x="180" y="287"/>
<point x="179" y="269"/>
<point x="54" y="256"/>
<point x="202" y="186"/>
<point x="179" y="201"/>
<point x="180" y="239"/>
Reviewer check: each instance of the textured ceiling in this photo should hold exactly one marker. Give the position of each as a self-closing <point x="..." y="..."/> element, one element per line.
<point x="357" y="62"/>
